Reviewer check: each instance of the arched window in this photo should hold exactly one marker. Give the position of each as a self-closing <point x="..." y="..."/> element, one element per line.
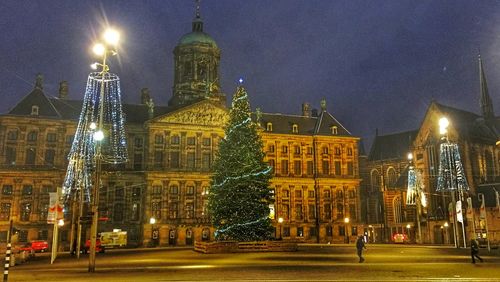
<point x="295" y="128"/>
<point x="396" y="206"/>
<point x="269" y="126"/>
<point x="375" y="181"/>
<point x="391" y="177"/>
<point x="34" y="110"/>
<point x="32" y="136"/>
<point x="490" y="166"/>
<point x="334" y="130"/>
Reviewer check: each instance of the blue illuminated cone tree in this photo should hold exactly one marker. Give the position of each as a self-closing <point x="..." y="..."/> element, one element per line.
<point x="239" y="196"/>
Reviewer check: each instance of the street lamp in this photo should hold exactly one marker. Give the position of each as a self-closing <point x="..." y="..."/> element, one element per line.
<point x="111" y="38"/>
<point x="280" y="222"/>
<point x="414" y="193"/>
<point x="346" y="221"/>
<point x="446" y="231"/>
<point x="154" y="232"/>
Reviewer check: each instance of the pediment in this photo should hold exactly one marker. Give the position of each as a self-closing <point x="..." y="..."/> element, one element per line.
<point x="204" y="113"/>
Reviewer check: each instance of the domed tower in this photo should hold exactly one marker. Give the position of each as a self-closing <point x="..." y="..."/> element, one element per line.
<point x="196" y="59"/>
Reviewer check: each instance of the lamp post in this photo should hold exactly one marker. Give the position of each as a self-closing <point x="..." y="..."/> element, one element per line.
<point x="446" y="232"/>
<point x="111" y="38"/>
<point x="346" y="221"/>
<point x="154" y="232"/>
<point x="414" y="194"/>
<point x="280" y="222"/>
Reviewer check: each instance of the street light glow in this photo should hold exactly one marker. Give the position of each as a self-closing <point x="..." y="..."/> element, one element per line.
<point x="443" y="125"/>
<point x="99" y="49"/>
<point x="60" y="222"/>
<point x="98" y="135"/>
<point x="152" y="220"/>
<point x="280" y="220"/>
<point x="410" y="156"/>
<point x="346" y="220"/>
<point x="111" y="36"/>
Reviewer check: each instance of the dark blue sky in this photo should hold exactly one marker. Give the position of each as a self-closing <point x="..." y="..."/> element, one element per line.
<point x="378" y="63"/>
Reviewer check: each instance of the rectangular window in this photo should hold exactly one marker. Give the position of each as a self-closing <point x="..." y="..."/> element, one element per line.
<point x="189" y="210"/>
<point x="7" y="190"/>
<point x="298" y="211"/>
<point x="312" y="211"/>
<point x="27" y="190"/>
<point x="326" y="167"/>
<point x="312" y="231"/>
<point x="158" y="139"/>
<point x="271" y="149"/>
<point x="23" y="236"/>
<point x="174" y="159"/>
<point x="341" y="230"/>
<point x="206" y="161"/>
<point x="158" y="161"/>
<point x="310" y="194"/>
<point x="69" y="139"/>
<point x="138" y="161"/>
<point x="32" y="136"/>
<point x="119" y="193"/>
<point x="300" y="231"/>
<point x="156" y="209"/>
<point x="25" y="211"/>
<point x="5" y="211"/>
<point x="327" y="211"/>
<point x="138" y="141"/>
<point x="135" y="212"/>
<point x="296" y="150"/>
<point x="338" y="168"/>
<point x="350" y="168"/>
<point x="118" y="212"/>
<point x="285" y="193"/>
<point x="310" y="168"/>
<point x="329" y="231"/>
<point x="30" y="156"/>
<point x="12" y="135"/>
<point x="349" y="151"/>
<point x="284" y="167"/>
<point x="297" y="167"/>
<point x="309" y="150"/>
<point x="49" y="156"/>
<point x="326" y="194"/>
<point x="156" y="190"/>
<point x="285" y="211"/>
<point x="190" y="160"/>
<point x="172" y="211"/>
<point x="286" y="231"/>
<point x="51" y="137"/>
<point x="10" y="155"/>
<point x="284" y="149"/>
<point x="191" y="141"/>
<point x="298" y="194"/>
<point x="206" y="141"/>
<point x="174" y="189"/>
<point x="175" y="140"/>
<point x="337" y="151"/>
<point x="190" y="190"/>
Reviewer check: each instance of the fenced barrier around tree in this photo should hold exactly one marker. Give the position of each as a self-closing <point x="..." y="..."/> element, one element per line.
<point x="242" y="247"/>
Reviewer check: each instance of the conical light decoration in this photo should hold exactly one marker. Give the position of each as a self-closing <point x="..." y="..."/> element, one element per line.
<point x="81" y="157"/>
<point x="451" y="172"/>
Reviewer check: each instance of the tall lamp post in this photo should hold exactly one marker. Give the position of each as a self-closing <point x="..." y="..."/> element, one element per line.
<point x="346" y="221"/>
<point x="280" y="222"/>
<point x="154" y="232"/>
<point x="111" y="38"/>
<point x="483" y="215"/>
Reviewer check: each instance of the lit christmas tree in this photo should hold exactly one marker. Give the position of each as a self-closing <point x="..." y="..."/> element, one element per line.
<point x="239" y="196"/>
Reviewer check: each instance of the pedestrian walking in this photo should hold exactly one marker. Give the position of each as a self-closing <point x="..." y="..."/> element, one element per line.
<point x="360" y="245"/>
<point x="474" y="250"/>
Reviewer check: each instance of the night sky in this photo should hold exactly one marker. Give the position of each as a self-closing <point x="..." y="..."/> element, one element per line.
<point x="378" y="63"/>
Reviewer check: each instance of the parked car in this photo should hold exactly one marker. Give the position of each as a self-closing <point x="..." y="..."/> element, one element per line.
<point x="400" y="238"/>
<point x="98" y="248"/>
<point x="37" y="246"/>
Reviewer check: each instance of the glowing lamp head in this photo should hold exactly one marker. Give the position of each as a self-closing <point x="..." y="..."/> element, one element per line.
<point x="443" y="125"/>
<point x="152" y="220"/>
<point x="346" y="220"/>
<point x="446" y="224"/>
<point x="60" y="222"/>
<point x="408" y="226"/>
<point x="93" y="66"/>
<point x="410" y="156"/>
<point x="93" y="125"/>
<point x="111" y="36"/>
<point x="280" y="220"/>
<point x="99" y="49"/>
<point x="98" y="135"/>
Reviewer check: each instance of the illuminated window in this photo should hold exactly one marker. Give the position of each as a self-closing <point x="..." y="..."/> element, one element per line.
<point x="295" y="128"/>
<point x="325" y="150"/>
<point x="271" y="148"/>
<point x="349" y="151"/>
<point x="334" y="130"/>
<point x="296" y="150"/>
<point x="34" y="110"/>
<point x="269" y="126"/>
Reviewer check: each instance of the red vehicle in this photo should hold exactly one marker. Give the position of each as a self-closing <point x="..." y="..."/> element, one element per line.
<point x="400" y="238"/>
<point x="98" y="248"/>
<point x="37" y="246"/>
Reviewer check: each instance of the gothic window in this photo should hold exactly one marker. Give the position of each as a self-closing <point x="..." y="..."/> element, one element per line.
<point x="391" y="177"/>
<point x="375" y="181"/>
<point x="397" y="210"/>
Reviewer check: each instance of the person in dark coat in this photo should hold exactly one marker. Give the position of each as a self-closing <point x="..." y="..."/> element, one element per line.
<point x="360" y="245"/>
<point x="474" y="250"/>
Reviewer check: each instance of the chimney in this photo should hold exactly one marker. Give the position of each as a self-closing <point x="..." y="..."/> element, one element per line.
<point x="63" y="89"/>
<point x="145" y="97"/>
<point x="306" y="110"/>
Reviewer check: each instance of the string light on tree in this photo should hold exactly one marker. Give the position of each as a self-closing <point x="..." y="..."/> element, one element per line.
<point x="239" y="195"/>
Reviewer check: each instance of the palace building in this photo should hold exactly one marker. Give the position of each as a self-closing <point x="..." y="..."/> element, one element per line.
<point x="171" y="149"/>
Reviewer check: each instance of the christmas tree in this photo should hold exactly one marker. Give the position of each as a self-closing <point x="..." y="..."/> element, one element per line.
<point x="239" y="196"/>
